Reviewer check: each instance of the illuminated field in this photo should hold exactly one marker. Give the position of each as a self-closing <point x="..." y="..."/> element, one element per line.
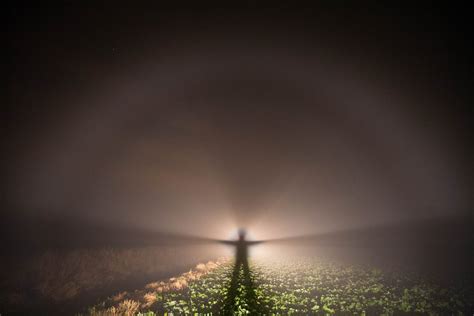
<point x="299" y="286"/>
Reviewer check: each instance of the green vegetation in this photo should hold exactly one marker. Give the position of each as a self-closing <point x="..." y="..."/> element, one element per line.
<point x="304" y="286"/>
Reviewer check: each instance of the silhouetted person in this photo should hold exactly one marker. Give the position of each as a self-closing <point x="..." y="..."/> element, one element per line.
<point x="241" y="263"/>
<point x="241" y="247"/>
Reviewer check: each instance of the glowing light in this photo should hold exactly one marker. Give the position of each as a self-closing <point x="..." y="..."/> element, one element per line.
<point x="234" y="234"/>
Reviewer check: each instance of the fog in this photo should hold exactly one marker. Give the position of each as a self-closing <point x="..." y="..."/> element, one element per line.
<point x="238" y="129"/>
<point x="166" y="123"/>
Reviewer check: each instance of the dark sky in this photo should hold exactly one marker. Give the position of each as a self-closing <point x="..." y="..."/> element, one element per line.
<point x="286" y="121"/>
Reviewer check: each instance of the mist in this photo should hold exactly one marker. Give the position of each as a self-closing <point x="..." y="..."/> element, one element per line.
<point x="133" y="128"/>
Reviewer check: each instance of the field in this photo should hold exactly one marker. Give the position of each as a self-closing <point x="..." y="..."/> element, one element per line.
<point x="297" y="286"/>
<point x="63" y="282"/>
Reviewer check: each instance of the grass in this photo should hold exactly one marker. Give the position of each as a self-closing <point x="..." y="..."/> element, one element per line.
<point x="300" y="286"/>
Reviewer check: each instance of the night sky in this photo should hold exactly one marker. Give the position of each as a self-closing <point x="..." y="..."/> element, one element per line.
<point x="285" y="121"/>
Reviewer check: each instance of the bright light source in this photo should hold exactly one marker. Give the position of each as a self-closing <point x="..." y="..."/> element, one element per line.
<point x="234" y="234"/>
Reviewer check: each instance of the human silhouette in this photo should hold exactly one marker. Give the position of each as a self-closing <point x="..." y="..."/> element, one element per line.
<point x="241" y="275"/>
<point x="241" y="247"/>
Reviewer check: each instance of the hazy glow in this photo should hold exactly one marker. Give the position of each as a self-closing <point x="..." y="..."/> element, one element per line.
<point x="217" y="136"/>
<point x="138" y="141"/>
<point x="234" y="234"/>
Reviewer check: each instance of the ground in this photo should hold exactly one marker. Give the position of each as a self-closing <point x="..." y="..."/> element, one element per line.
<point x="296" y="286"/>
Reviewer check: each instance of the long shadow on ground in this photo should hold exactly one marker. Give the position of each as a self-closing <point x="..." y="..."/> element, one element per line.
<point x="241" y="296"/>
